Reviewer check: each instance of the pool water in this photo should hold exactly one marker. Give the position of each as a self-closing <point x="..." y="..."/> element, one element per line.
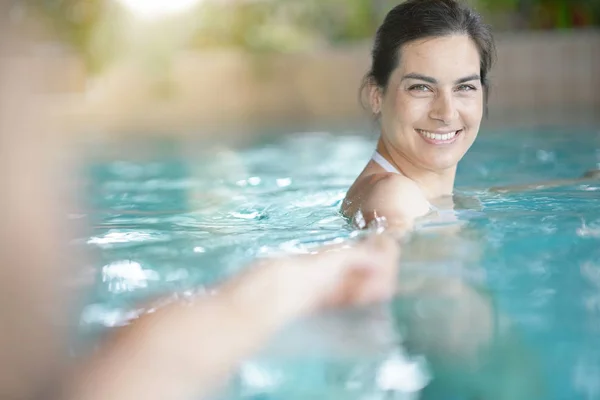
<point x="186" y="215"/>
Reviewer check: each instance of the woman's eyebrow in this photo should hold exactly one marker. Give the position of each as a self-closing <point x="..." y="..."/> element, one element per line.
<point x="419" y="77"/>
<point x="474" y="77"/>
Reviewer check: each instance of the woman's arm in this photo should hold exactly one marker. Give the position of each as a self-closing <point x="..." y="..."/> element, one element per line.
<point x="187" y="350"/>
<point x="589" y="176"/>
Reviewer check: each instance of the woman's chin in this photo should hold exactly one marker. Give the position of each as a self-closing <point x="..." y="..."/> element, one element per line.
<point x="440" y="165"/>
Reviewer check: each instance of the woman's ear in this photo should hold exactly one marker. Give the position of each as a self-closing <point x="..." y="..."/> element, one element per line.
<point x="375" y="98"/>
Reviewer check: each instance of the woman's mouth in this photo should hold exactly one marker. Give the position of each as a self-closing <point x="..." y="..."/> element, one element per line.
<point x="439" y="137"/>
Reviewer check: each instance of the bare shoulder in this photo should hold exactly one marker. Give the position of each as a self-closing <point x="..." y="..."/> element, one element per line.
<point x="396" y="198"/>
<point x="396" y="194"/>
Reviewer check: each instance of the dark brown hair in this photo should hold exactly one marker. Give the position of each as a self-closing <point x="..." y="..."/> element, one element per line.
<point x="419" y="19"/>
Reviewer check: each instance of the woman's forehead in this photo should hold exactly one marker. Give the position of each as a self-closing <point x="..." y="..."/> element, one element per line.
<point x="446" y="56"/>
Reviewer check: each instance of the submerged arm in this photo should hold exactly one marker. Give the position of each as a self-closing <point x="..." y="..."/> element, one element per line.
<point x="589" y="176"/>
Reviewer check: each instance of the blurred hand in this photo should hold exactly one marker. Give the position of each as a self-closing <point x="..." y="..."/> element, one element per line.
<point x="360" y="275"/>
<point x="335" y="276"/>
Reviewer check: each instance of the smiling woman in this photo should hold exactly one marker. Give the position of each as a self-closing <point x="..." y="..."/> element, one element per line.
<point x="151" y="9"/>
<point x="427" y="88"/>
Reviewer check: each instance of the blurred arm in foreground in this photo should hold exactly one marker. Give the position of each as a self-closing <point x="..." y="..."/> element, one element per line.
<point x="187" y="350"/>
<point x="37" y="301"/>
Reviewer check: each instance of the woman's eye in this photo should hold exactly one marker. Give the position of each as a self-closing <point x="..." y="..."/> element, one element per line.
<point x="419" y="88"/>
<point x="466" y="88"/>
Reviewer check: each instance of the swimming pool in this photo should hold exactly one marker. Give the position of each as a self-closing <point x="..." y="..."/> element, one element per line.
<point x="187" y="215"/>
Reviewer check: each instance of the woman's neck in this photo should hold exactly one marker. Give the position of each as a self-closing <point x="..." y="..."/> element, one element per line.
<point x="433" y="183"/>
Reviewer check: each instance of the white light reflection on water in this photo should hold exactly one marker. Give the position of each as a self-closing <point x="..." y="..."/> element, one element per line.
<point x="586" y="376"/>
<point x="586" y="231"/>
<point x="127" y="276"/>
<point x="101" y="314"/>
<point x="127" y="237"/>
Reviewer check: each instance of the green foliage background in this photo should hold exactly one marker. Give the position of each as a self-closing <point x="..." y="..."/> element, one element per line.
<point x="94" y="27"/>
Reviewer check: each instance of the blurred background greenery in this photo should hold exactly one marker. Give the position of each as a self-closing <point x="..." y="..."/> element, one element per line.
<point x="95" y="29"/>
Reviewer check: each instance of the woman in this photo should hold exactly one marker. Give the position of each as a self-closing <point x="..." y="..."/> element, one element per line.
<point x="428" y="89"/>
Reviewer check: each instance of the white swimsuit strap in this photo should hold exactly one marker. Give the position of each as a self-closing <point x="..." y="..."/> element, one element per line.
<point x="383" y="163"/>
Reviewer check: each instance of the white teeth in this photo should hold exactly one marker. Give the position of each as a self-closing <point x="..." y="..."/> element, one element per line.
<point x="438" y="136"/>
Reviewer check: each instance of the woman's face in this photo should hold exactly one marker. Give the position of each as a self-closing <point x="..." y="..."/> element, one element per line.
<point x="433" y="105"/>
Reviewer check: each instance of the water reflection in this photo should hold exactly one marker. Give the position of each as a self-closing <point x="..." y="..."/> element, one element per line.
<point x="127" y="276"/>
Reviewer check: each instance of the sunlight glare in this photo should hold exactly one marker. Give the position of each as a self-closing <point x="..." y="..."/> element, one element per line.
<point x="151" y="9"/>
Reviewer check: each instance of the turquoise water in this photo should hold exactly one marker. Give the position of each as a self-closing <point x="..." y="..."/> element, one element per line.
<point x="185" y="215"/>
